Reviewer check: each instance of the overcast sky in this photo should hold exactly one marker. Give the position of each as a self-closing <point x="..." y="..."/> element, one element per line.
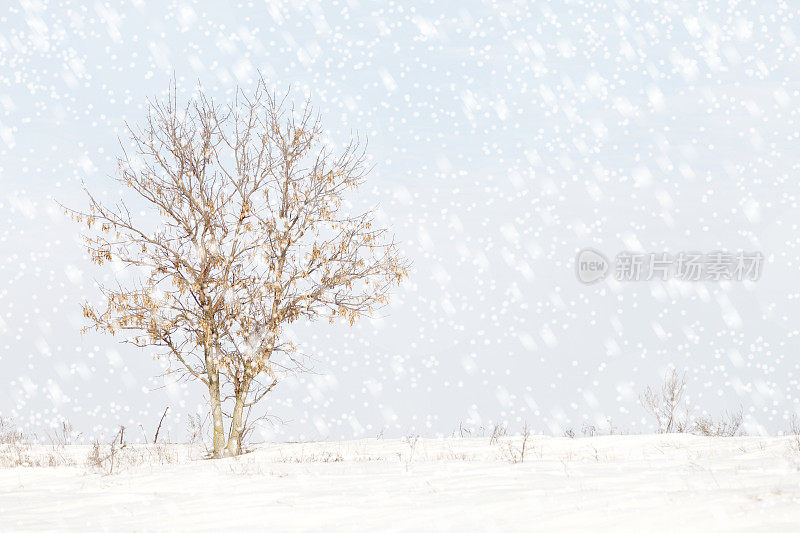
<point x="506" y="137"/>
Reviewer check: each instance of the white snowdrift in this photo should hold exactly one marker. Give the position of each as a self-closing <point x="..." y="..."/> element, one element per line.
<point x="613" y="483"/>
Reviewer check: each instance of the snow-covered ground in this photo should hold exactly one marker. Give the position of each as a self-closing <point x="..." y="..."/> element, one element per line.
<point x="610" y="483"/>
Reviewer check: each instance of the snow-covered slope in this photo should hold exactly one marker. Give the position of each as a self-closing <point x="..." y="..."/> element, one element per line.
<point x="612" y="483"/>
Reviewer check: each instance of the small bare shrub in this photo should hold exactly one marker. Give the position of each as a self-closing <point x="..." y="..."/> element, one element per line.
<point x="62" y="435"/>
<point x="794" y="425"/>
<point x="516" y="454"/>
<point x="497" y="432"/>
<point x="666" y="405"/>
<point x="321" y="457"/>
<point x="106" y="459"/>
<point x="729" y="425"/>
<point x="160" y="454"/>
<point x="794" y="431"/>
<point x="95" y="457"/>
<point x="60" y="438"/>
<point x="15" y="445"/>
<point x="451" y="455"/>
<point x="118" y="455"/>
<point x="196" y="428"/>
<point x="412" y="441"/>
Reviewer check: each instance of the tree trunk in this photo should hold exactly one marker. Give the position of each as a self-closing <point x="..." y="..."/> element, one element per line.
<point x="237" y="422"/>
<point x="216" y="405"/>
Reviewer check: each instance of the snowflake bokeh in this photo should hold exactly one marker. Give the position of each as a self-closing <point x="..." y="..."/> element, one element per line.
<point x="506" y="137"/>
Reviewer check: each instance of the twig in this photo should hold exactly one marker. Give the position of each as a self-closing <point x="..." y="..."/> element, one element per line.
<point x="155" y="440"/>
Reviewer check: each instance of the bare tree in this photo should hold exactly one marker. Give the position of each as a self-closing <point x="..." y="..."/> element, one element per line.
<point x="244" y="232"/>
<point x="666" y="405"/>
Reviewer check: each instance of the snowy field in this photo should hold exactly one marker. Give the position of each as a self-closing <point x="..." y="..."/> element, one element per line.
<point x="611" y="483"/>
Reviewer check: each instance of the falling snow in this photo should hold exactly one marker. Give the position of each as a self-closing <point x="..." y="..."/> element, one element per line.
<point x="505" y="137"/>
